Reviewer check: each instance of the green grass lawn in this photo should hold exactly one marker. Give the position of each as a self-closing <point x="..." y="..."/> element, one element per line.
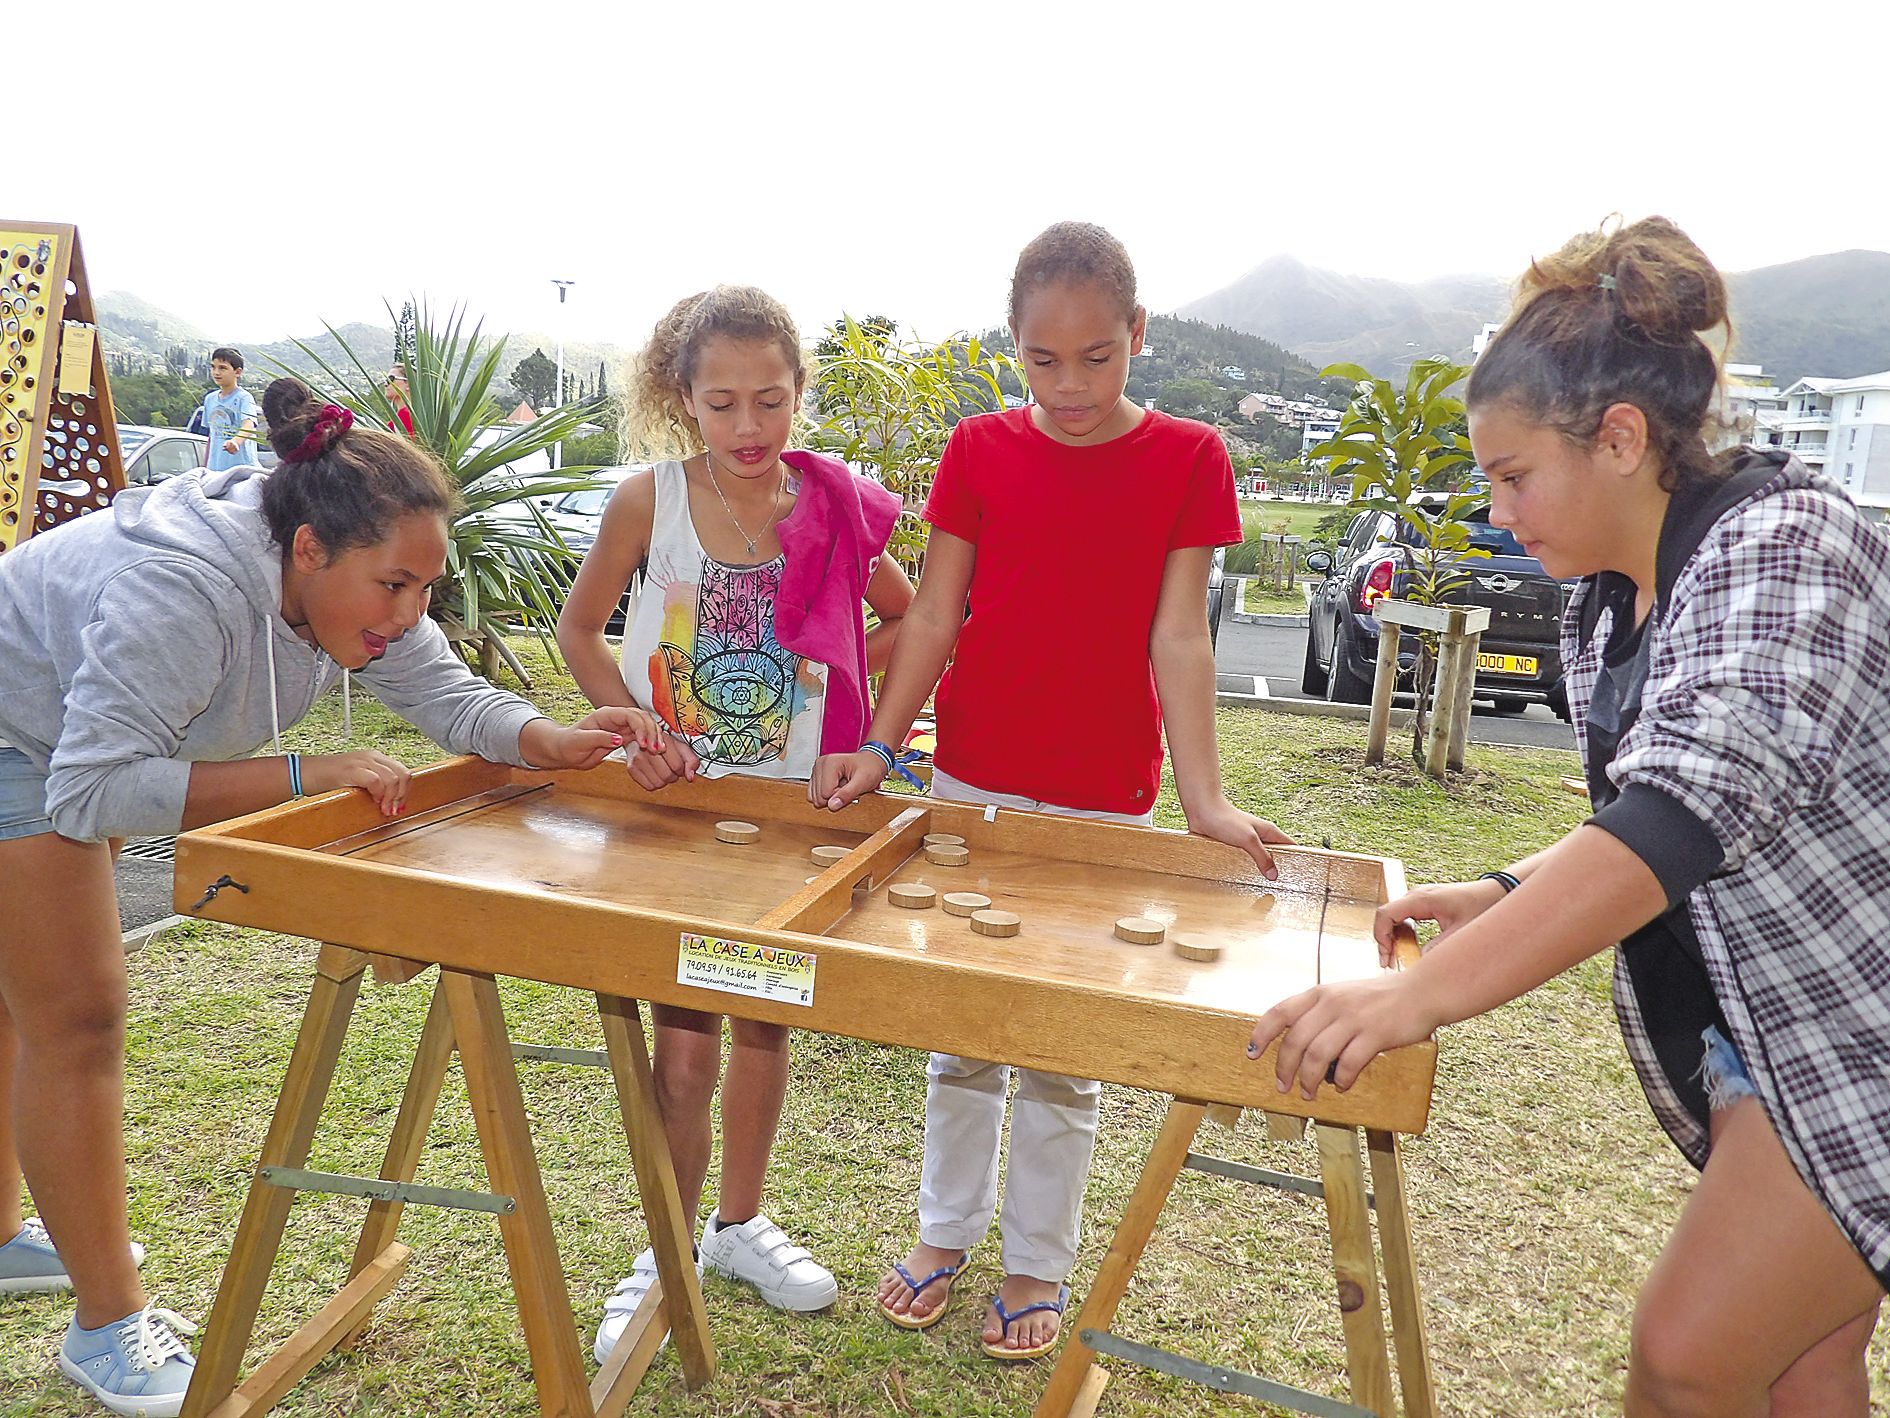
<point x="1296" y="519"/>
<point x="1259" y="599"/>
<point x="1540" y="1193"/>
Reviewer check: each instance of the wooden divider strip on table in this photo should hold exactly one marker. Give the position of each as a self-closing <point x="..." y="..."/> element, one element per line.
<point x="829" y="896"/>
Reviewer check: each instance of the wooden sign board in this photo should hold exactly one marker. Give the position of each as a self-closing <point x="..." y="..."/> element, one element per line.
<point x="59" y="453"/>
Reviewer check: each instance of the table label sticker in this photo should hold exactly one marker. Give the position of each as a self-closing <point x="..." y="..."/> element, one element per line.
<point x="75" y="359"/>
<point x="737" y="967"/>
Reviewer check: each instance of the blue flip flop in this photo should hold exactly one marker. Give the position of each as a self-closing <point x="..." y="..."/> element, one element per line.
<point x="1011" y="1317"/>
<point x="934" y="1315"/>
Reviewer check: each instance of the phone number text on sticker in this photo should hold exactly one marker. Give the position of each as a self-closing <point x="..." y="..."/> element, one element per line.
<point x="738" y="967"/>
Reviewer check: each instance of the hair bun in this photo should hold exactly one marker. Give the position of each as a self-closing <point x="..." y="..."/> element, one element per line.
<point x="289" y="409"/>
<point x="1664" y="282"/>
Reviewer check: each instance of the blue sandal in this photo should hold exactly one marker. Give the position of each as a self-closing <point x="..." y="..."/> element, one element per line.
<point x="1010" y="1317"/>
<point x="932" y="1316"/>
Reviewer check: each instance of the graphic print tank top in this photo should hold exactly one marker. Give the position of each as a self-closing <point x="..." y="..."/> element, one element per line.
<point x="699" y="651"/>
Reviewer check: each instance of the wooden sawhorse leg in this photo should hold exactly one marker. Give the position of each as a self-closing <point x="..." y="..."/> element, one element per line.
<point x="1072" y="1384"/>
<point x="1076" y="1386"/>
<point x="1348" y="1218"/>
<point x="629" y="1057"/>
<point x="531" y="1250"/>
<point x="466" y="1013"/>
<point x="305" y="1088"/>
<point x="1408" y="1334"/>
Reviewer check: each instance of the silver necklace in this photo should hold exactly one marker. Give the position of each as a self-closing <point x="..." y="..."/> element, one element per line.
<point x="774" y="508"/>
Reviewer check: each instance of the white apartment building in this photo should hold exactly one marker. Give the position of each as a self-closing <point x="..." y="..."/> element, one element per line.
<point x="1318" y="427"/>
<point x="1842" y="428"/>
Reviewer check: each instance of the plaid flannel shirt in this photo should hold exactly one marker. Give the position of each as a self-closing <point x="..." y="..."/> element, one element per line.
<point x="1766" y="714"/>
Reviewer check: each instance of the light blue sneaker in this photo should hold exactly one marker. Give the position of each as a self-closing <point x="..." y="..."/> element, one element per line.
<point x="30" y="1265"/>
<point x="136" y="1366"/>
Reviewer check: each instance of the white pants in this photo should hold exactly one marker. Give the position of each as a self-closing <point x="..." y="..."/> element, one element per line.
<point x="1053" y="1132"/>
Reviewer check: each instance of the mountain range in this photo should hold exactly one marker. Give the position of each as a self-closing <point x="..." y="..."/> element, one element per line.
<point x="1823" y="315"/>
<point x="133" y="325"/>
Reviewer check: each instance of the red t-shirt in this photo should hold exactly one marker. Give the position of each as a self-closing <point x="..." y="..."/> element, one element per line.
<point x="1050" y="694"/>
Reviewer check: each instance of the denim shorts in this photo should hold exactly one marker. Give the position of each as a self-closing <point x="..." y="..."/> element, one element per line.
<point x="22" y="797"/>
<point x="1723" y="1071"/>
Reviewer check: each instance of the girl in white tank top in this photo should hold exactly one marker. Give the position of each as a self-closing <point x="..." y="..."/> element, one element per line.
<point x="699" y="650"/>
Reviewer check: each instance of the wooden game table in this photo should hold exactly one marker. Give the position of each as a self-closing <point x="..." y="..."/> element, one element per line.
<point x="588" y="881"/>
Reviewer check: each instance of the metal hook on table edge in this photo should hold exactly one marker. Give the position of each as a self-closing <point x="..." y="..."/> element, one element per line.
<point x="210" y="892"/>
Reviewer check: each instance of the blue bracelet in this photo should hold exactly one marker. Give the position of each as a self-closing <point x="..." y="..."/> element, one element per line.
<point x="895" y="762"/>
<point x="295" y="775"/>
<point x="1510" y="883"/>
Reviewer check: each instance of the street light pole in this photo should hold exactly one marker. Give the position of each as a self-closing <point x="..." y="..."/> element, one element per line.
<point x="557" y="449"/>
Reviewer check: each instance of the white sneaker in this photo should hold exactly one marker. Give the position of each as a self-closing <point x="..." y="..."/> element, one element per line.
<point x="622" y="1302"/>
<point x="759" y="1253"/>
<point x="136" y="1366"/>
<point x="29" y="1264"/>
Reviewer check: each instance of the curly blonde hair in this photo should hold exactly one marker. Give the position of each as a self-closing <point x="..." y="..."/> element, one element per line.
<point x="1617" y="317"/>
<point x="655" y="422"/>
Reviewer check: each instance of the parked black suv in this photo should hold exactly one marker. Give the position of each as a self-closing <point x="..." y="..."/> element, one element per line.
<point x="1519" y="660"/>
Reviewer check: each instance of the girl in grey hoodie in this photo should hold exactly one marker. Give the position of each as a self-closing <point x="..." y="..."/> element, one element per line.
<point x="145" y="652"/>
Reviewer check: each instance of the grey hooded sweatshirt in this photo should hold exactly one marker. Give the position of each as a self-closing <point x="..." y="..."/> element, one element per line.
<point x="136" y="641"/>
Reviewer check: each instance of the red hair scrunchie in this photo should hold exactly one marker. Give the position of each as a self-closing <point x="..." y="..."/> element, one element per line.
<point x="330" y="424"/>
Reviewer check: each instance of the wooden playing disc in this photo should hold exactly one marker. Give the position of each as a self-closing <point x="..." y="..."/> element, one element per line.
<point x="1140" y="930"/>
<point x="1264" y="902"/>
<point x="1194" y="948"/>
<point x="964" y="903"/>
<point x="827" y="856"/>
<point x="943" y="839"/>
<point x="738" y="833"/>
<point x="911" y="895"/>
<point x="947" y="856"/>
<point x="996" y="922"/>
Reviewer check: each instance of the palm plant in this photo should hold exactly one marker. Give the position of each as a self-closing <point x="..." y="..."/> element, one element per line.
<point x="506" y="564"/>
<point x="1407" y="454"/>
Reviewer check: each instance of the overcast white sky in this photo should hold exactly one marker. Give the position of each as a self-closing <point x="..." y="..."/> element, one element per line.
<point x="259" y="168"/>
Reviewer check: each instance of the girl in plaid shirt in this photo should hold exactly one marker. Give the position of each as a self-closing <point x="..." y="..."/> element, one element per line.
<point x="1728" y="654"/>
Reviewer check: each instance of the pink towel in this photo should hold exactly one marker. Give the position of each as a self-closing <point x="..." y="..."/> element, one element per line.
<point x="831" y="541"/>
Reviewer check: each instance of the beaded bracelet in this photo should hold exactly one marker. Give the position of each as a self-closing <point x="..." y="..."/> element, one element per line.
<point x="1509" y="880"/>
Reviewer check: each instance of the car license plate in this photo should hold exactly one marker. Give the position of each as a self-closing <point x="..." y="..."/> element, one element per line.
<point x="1507" y="664"/>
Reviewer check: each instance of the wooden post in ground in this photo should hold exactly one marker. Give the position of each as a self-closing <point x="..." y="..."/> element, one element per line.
<point x="1459" y="726"/>
<point x="1456" y="666"/>
<point x="1384" y="682"/>
<point x="1460" y="629"/>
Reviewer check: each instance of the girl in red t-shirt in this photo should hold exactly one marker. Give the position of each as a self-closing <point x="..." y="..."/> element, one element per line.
<point x="1147" y="497"/>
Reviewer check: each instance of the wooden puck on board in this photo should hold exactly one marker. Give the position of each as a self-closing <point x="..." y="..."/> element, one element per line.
<point x="943" y="839"/>
<point x="1190" y="947"/>
<point x="738" y="833"/>
<point x="1264" y="902"/>
<point x="998" y="923"/>
<point x="912" y="895"/>
<point x="963" y="903"/>
<point x="827" y="856"/>
<point x="1140" y="930"/>
<point x="947" y="856"/>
